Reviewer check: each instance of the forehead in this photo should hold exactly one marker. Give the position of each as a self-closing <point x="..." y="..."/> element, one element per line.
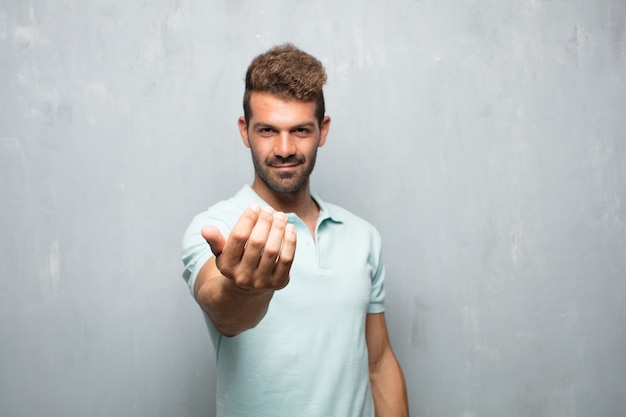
<point x="267" y="108"/>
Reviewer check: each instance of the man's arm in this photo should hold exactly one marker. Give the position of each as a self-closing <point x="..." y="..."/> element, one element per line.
<point x="387" y="381"/>
<point x="235" y="286"/>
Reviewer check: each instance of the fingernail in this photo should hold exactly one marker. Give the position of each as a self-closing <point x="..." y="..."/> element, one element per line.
<point x="291" y="228"/>
<point x="268" y="209"/>
<point x="255" y="207"/>
<point x="279" y="215"/>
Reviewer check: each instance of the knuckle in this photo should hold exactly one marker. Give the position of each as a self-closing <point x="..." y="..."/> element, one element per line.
<point x="256" y="243"/>
<point x="258" y="285"/>
<point x="271" y="253"/>
<point x="238" y="235"/>
<point x="281" y="282"/>
<point x="286" y="259"/>
<point x="226" y="271"/>
<point x="223" y="267"/>
<point x="250" y="215"/>
<point x="243" y="282"/>
<point x="267" y="217"/>
<point x="278" y="224"/>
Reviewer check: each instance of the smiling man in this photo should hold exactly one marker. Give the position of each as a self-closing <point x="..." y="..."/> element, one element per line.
<point x="292" y="287"/>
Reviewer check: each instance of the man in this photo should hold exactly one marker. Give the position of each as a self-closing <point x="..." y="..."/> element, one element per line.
<point x="299" y="329"/>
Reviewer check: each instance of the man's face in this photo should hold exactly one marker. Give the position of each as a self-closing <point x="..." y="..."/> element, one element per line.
<point x="283" y="137"/>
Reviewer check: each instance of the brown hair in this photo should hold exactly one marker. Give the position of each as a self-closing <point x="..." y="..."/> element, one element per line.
<point x="289" y="74"/>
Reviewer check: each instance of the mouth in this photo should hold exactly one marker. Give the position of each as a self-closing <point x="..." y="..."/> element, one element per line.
<point x="285" y="166"/>
<point x="280" y="166"/>
<point x="285" y="171"/>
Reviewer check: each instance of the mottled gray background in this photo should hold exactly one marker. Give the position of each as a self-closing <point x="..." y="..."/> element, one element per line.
<point x="486" y="139"/>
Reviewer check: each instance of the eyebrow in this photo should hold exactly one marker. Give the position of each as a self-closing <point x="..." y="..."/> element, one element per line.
<point x="262" y="125"/>
<point x="310" y="125"/>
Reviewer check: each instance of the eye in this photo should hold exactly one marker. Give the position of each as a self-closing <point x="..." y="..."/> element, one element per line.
<point x="265" y="131"/>
<point x="302" y="131"/>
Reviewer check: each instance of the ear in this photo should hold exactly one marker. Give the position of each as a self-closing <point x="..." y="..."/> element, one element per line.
<point x="324" y="128"/>
<point x="243" y="130"/>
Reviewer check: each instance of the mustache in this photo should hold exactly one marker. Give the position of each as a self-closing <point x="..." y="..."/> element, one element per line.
<point x="280" y="161"/>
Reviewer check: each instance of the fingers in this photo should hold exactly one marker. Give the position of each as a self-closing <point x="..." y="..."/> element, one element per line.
<point x="273" y="245"/>
<point x="242" y="229"/>
<point x="278" y="253"/>
<point x="285" y="259"/>
<point x="258" y="241"/>
<point x="259" y="251"/>
<point x="239" y="235"/>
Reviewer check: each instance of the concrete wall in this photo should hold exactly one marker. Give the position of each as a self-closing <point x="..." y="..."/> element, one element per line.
<point x="485" y="138"/>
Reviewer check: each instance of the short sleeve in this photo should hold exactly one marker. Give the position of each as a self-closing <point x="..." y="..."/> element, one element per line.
<point x="195" y="250"/>
<point x="377" y="292"/>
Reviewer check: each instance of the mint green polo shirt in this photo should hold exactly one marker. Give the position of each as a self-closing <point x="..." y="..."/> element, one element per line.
<point x="308" y="356"/>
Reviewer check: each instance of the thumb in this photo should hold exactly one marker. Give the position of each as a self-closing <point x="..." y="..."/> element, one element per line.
<point x="214" y="238"/>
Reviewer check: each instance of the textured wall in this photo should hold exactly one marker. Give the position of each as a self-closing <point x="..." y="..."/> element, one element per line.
<point x="486" y="139"/>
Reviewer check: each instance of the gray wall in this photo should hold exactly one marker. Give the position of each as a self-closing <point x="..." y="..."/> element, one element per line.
<point x="485" y="138"/>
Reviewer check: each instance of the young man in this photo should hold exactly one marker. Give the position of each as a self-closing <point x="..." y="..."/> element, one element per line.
<point x="299" y="329"/>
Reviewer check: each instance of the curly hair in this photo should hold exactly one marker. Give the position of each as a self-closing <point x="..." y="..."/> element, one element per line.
<point x="289" y="74"/>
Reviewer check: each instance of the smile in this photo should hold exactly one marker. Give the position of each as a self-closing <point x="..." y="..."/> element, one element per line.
<point x="284" y="166"/>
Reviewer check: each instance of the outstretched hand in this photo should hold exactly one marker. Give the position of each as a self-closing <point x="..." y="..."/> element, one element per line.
<point x="259" y="250"/>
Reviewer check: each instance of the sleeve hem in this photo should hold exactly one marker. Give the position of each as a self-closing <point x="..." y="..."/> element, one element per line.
<point x="375" y="308"/>
<point x="197" y="267"/>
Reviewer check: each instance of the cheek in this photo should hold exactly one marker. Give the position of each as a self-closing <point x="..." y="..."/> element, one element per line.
<point x="311" y="151"/>
<point x="260" y="153"/>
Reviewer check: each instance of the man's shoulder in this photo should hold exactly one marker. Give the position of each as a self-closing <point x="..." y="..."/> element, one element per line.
<point x="223" y="207"/>
<point x="340" y="214"/>
<point x="222" y="214"/>
<point x="234" y="204"/>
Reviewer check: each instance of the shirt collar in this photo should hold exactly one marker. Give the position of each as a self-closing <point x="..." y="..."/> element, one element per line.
<point x="247" y="196"/>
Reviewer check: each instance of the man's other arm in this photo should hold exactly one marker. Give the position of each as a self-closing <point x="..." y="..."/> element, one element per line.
<point x="386" y="378"/>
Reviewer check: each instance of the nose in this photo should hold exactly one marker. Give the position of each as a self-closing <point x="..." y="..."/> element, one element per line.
<point x="284" y="145"/>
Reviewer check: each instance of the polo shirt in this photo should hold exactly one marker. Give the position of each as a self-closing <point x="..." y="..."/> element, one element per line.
<point x="308" y="356"/>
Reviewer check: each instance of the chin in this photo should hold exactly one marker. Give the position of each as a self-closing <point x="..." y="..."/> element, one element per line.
<point x="286" y="188"/>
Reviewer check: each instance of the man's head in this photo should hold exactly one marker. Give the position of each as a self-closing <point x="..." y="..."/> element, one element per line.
<point x="284" y="122"/>
<point x="287" y="73"/>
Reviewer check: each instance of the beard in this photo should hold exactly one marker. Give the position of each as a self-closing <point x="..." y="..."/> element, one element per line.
<point x="284" y="182"/>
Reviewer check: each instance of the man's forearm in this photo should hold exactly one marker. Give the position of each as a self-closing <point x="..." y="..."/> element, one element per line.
<point x="232" y="309"/>
<point x="389" y="389"/>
